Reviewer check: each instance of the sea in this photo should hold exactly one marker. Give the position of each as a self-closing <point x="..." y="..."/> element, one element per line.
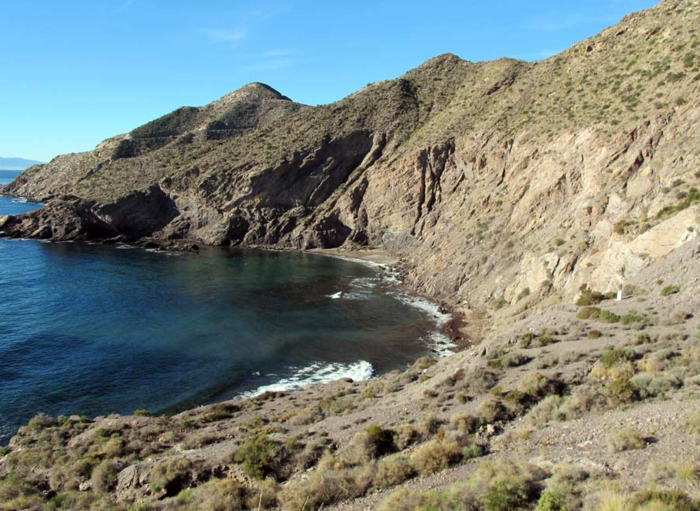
<point x="90" y="329"/>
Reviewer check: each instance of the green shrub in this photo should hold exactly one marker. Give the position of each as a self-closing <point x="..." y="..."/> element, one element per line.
<point x="691" y="198"/>
<point x="328" y="484"/>
<point x="16" y="493"/>
<point x="496" y="363"/>
<point x="257" y="455"/>
<point x="675" y="500"/>
<point x="620" y="227"/>
<point x="41" y="421"/>
<point x="551" y="501"/>
<point x="104" y="477"/>
<point x="372" y="443"/>
<point x="170" y="475"/>
<point x="612" y="358"/>
<point x="630" y="318"/>
<point x="473" y="451"/>
<point x="515" y="360"/>
<point x="595" y="334"/>
<point x="620" y="390"/>
<point x="670" y="290"/>
<point x="609" y="317"/>
<point x="589" y="297"/>
<point x="526" y="340"/>
<point x="492" y="410"/>
<point x="429" y="426"/>
<point x="588" y="313"/>
<point x="506" y="496"/>
<point x="185" y="495"/>
<point x="499" y="304"/>
<point x="505" y="486"/>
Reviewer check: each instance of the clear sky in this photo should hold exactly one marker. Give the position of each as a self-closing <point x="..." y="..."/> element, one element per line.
<point x="74" y="72"/>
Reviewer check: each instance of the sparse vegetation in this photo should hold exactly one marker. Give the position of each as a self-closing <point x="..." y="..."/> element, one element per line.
<point x="625" y="440"/>
<point x="670" y="290"/>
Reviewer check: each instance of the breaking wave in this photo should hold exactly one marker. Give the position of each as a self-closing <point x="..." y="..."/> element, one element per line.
<point x="317" y="373"/>
<point x="439" y="343"/>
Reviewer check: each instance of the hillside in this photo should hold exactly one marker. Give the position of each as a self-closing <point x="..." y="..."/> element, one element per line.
<point x="509" y="191"/>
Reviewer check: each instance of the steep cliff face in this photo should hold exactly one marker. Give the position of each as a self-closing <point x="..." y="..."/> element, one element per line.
<point x="498" y="183"/>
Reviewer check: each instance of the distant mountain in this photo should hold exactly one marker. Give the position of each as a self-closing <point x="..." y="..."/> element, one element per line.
<point x="16" y="163"/>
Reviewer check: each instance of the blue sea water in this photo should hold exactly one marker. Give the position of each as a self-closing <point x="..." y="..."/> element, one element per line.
<point x="92" y="329"/>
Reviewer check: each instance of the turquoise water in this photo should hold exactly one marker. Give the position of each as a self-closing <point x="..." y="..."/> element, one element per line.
<point x="92" y="329"/>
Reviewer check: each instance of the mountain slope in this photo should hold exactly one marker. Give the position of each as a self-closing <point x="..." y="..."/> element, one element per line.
<point x="499" y="182"/>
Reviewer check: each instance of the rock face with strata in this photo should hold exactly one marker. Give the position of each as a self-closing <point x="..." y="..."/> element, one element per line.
<point x="499" y="182"/>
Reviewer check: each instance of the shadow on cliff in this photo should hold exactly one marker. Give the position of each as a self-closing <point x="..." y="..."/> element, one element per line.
<point x="140" y="213"/>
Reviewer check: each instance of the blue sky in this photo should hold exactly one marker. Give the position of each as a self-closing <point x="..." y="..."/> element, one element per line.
<point x="74" y="72"/>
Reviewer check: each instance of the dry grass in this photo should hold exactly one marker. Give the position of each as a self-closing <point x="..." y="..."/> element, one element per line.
<point x="625" y="440"/>
<point x="435" y="456"/>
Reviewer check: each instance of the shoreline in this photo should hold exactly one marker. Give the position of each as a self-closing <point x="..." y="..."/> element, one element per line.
<point x="444" y="320"/>
<point x="453" y="328"/>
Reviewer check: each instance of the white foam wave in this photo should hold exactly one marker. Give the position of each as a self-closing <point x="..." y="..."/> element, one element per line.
<point x="441" y="318"/>
<point x="317" y="373"/>
<point x="366" y="282"/>
<point x="124" y="247"/>
<point x="441" y="345"/>
<point x="359" y="261"/>
<point x="19" y="200"/>
<point x="357" y="295"/>
<point x="336" y="296"/>
<point x="388" y="273"/>
<point x="5" y="429"/>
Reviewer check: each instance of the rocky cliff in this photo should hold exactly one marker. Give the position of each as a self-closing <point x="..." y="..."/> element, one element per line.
<point x="500" y="184"/>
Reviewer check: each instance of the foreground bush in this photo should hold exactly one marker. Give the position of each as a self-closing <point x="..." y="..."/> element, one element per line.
<point x="511" y="495"/>
<point x="331" y="482"/>
<point x="455" y="499"/>
<point x="258" y="454"/>
<point x="435" y="456"/>
<point x="171" y="476"/>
